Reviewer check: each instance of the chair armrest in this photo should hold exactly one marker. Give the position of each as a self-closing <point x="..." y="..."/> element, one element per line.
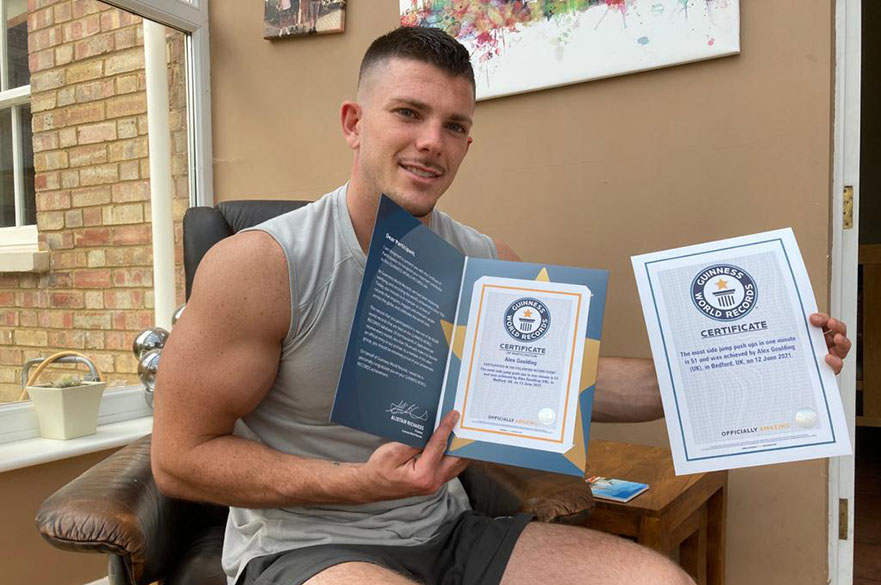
<point x="501" y="490"/>
<point x="116" y="508"/>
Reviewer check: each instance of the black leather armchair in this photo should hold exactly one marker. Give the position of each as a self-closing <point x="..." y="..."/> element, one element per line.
<point x="115" y="507"/>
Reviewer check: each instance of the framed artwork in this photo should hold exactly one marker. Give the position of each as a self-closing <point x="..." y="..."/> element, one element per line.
<point x="524" y="45"/>
<point x="286" y="18"/>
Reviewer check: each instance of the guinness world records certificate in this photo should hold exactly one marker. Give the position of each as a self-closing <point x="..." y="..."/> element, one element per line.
<point x="521" y="365"/>
<point x="742" y="372"/>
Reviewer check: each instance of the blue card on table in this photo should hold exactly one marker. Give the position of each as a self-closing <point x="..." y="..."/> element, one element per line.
<point x="616" y="490"/>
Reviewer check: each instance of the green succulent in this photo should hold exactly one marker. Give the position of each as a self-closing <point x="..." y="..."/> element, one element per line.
<point x="67" y="381"/>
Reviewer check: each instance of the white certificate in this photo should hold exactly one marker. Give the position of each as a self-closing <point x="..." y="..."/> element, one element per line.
<point x="521" y="363"/>
<point x="742" y="371"/>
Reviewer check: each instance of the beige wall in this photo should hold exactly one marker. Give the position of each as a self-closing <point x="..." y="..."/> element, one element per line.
<point x="27" y="559"/>
<point x="621" y="166"/>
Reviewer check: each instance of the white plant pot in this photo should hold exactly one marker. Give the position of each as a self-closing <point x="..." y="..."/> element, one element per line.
<point x="67" y="413"/>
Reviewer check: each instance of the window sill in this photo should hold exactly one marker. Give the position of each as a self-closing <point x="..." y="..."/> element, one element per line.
<point x="18" y="421"/>
<point x="24" y="261"/>
<point x="20" y="251"/>
<point x="30" y="452"/>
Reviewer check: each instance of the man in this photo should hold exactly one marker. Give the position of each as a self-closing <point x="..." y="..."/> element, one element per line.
<point x="262" y="342"/>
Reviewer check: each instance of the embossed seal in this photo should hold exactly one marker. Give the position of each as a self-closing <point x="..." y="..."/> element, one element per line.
<point x="547" y="416"/>
<point x="806" y="418"/>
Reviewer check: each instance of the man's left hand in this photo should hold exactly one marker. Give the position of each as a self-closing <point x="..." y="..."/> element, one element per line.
<point x="835" y="334"/>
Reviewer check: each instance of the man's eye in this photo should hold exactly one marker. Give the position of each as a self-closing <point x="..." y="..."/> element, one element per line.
<point x="406" y="112"/>
<point x="458" y="128"/>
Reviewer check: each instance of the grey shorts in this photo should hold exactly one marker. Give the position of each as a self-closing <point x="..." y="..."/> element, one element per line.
<point x="473" y="549"/>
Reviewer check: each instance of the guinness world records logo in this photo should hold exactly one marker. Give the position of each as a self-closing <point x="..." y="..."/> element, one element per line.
<point x="724" y="292"/>
<point x="527" y="319"/>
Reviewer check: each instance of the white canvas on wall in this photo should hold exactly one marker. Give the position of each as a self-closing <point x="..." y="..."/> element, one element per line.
<point x="524" y="45"/>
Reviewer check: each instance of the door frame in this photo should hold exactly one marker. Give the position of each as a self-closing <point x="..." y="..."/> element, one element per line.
<point x="843" y="266"/>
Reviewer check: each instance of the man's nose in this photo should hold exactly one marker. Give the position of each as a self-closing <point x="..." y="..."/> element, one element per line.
<point x="430" y="138"/>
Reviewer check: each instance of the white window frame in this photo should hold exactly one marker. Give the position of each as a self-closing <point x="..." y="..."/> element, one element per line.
<point x="190" y="18"/>
<point x="10" y="99"/>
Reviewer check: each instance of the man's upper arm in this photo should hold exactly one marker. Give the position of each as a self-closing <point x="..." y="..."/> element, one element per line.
<point x="505" y="251"/>
<point x="222" y="356"/>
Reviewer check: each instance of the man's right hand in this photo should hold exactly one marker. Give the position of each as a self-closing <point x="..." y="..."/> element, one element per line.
<point x="397" y="471"/>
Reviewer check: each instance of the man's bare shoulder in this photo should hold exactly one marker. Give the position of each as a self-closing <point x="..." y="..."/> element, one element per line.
<point x="505" y="251"/>
<point x="223" y="353"/>
<point x="245" y="276"/>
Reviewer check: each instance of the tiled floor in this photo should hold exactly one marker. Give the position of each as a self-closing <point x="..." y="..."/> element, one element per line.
<point x="867" y="529"/>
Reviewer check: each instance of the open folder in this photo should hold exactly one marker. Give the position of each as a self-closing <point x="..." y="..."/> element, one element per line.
<point x="512" y="346"/>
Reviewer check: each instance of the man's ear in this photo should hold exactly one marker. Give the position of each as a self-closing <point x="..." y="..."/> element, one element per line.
<point x="350" y="119"/>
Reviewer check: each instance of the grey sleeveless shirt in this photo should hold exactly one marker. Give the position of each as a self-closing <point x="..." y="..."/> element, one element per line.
<point x="326" y="265"/>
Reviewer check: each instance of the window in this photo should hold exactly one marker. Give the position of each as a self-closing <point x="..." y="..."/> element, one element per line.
<point x="91" y="180"/>
<point x="17" y="202"/>
<point x="189" y="17"/>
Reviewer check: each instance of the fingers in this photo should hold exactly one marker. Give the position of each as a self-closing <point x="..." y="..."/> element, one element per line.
<point x="834" y="332"/>
<point x="841" y="345"/>
<point x="437" y="444"/>
<point x="828" y="324"/>
<point x="452" y="466"/>
<point x="836" y="327"/>
<point x="835" y="363"/>
<point x="819" y="319"/>
<point x="404" y="471"/>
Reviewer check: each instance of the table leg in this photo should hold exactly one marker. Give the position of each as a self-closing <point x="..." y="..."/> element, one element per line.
<point x="693" y="550"/>
<point x="651" y="534"/>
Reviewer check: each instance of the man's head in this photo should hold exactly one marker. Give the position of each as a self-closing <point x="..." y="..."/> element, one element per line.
<point x="425" y="45"/>
<point x="410" y="127"/>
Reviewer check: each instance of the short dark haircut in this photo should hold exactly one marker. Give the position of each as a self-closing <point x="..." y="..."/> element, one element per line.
<point x="423" y="44"/>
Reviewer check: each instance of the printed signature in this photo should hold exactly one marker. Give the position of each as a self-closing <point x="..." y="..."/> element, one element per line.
<point x="405" y="408"/>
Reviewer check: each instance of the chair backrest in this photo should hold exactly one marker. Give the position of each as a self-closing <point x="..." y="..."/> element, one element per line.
<point x="205" y="226"/>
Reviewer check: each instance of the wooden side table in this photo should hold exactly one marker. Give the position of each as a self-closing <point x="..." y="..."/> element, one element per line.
<point x="683" y="514"/>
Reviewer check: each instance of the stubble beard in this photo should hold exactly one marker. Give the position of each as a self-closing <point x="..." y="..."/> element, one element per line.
<point x="411" y="203"/>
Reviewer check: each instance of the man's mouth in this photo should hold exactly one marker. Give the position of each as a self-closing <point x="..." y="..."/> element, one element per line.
<point x="422" y="171"/>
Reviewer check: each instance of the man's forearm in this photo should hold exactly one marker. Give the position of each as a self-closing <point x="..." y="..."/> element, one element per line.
<point x="626" y="391"/>
<point x="233" y="471"/>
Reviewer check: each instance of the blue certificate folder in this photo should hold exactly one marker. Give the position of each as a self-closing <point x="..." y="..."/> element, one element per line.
<point x="403" y="359"/>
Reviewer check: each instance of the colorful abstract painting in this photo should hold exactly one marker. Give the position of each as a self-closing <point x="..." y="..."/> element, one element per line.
<point x="523" y="45"/>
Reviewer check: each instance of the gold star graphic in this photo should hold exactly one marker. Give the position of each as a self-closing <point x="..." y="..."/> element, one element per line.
<point x="722" y="284"/>
<point x="527" y="313"/>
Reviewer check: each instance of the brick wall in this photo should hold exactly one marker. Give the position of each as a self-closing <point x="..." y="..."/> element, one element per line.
<point x="93" y="193"/>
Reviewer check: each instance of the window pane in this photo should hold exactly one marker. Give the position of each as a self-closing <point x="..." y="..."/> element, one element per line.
<point x="27" y="155"/>
<point x="178" y="122"/>
<point x="17" y="42"/>
<point x="91" y="147"/>
<point x="7" y="177"/>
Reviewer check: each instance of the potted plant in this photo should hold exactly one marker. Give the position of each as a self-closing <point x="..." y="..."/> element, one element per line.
<point x="68" y="407"/>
